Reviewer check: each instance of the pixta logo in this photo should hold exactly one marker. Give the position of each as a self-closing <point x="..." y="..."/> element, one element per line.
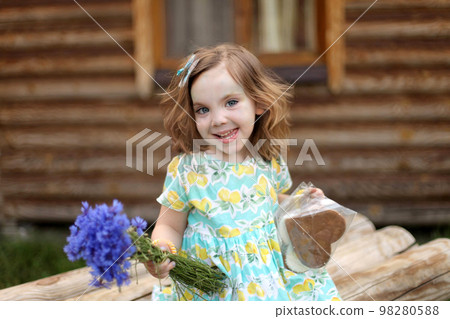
<point x="144" y="141"/>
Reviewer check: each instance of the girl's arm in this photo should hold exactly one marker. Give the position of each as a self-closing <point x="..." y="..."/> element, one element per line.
<point x="316" y="192"/>
<point x="282" y="197"/>
<point x="169" y="227"/>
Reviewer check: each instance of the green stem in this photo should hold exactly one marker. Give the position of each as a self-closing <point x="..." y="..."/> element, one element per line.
<point x="188" y="271"/>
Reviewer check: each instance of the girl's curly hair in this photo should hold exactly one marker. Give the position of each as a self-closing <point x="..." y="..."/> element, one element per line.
<point x="260" y="84"/>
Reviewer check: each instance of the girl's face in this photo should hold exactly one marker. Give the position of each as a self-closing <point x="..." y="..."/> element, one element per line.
<point x="225" y="115"/>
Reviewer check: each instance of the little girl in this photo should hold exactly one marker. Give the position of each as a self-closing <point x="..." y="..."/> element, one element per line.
<point x="222" y="190"/>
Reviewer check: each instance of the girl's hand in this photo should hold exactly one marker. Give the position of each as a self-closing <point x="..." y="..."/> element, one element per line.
<point x="161" y="270"/>
<point x="316" y="193"/>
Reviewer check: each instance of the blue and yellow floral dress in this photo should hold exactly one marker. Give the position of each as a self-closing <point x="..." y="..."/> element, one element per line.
<point x="231" y="225"/>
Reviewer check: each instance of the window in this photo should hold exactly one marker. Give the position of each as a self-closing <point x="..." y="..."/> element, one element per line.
<point x="286" y="35"/>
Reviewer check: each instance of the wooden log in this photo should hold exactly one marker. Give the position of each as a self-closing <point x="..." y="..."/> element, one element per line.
<point x="45" y="207"/>
<point x="374" y="188"/>
<point x="140" y="288"/>
<point x="430" y="81"/>
<point x="70" y="66"/>
<point x="75" y="187"/>
<point x="373" y="135"/>
<point x="74" y="285"/>
<point x="62" y="12"/>
<point x="351" y="161"/>
<point x="107" y="112"/>
<point x="382" y="108"/>
<point x="332" y="136"/>
<point x="66" y="210"/>
<point x="56" y="39"/>
<point x="368" y="251"/>
<point x="400" y="276"/>
<point x="343" y="109"/>
<point x="65" y="88"/>
<point x="134" y="291"/>
<point x="398" y="4"/>
<point x="360" y="57"/>
<point x="435" y="289"/>
<point x="58" y="287"/>
<point x="399" y="29"/>
<point x="66" y="162"/>
<point x="381" y="160"/>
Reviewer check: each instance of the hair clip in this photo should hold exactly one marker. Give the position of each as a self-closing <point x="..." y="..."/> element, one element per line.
<point x="191" y="65"/>
<point x="188" y="63"/>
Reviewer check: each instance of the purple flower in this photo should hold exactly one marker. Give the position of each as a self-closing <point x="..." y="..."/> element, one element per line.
<point x="140" y="225"/>
<point x="99" y="236"/>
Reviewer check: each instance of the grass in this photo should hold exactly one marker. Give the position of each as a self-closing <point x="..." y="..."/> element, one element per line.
<point x="37" y="255"/>
<point x="426" y="234"/>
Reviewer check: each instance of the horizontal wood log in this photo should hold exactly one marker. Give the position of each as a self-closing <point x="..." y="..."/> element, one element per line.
<point x="380" y="187"/>
<point x="402" y="274"/>
<point x="373" y="187"/>
<point x="137" y="289"/>
<point x="59" y="187"/>
<point x="58" y="287"/>
<point x="67" y="88"/>
<point x="397" y="4"/>
<point x="383" y="108"/>
<point x="332" y="136"/>
<point x="350" y="161"/>
<point x="381" y="160"/>
<point x="358" y="57"/>
<point x="398" y="29"/>
<point x="430" y="81"/>
<point x="397" y="14"/>
<point x="67" y="65"/>
<point x="57" y="39"/>
<point x="318" y="109"/>
<point x="74" y="285"/>
<point x="368" y="251"/>
<point x="51" y="209"/>
<point x="435" y="289"/>
<point x="62" y="12"/>
<point x="111" y="112"/>
<point x="66" y="210"/>
<point x="376" y="194"/>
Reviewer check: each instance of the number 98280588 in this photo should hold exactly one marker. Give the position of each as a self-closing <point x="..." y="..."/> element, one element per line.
<point x="409" y="310"/>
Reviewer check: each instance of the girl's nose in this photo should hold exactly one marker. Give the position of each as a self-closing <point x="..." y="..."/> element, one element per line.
<point x="218" y="118"/>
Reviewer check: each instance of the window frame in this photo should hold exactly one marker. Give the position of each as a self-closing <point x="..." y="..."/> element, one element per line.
<point x="330" y="21"/>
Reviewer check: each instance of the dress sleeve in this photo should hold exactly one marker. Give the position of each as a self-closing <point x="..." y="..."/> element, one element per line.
<point x="282" y="177"/>
<point x="174" y="191"/>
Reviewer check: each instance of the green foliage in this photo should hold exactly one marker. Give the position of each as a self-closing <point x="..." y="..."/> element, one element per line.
<point x="424" y="235"/>
<point x="38" y="255"/>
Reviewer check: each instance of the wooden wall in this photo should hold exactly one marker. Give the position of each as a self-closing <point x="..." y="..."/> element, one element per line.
<point x="386" y="137"/>
<point x="69" y="103"/>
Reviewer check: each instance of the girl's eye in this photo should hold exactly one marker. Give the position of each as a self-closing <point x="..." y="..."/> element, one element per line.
<point x="231" y="102"/>
<point x="202" y="110"/>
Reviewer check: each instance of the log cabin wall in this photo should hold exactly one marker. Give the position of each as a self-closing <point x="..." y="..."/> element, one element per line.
<point x="69" y="103"/>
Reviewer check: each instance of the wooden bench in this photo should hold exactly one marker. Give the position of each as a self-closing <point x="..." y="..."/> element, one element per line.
<point x="384" y="264"/>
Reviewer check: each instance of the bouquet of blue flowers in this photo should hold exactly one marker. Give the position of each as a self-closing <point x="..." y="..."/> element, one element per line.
<point x="107" y="240"/>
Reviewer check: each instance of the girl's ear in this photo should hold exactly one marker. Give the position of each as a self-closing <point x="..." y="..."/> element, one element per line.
<point x="259" y="109"/>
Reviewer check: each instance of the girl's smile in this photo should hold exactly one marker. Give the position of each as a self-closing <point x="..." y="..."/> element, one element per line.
<point x="224" y="114"/>
<point x="228" y="136"/>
